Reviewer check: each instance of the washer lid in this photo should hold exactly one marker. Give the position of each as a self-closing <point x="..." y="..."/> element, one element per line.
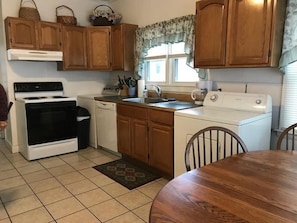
<point x="226" y="116"/>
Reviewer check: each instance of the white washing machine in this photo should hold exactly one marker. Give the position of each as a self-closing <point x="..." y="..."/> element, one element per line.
<point x="249" y="115"/>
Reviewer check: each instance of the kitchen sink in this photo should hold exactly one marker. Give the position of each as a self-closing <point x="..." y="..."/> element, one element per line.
<point x="146" y="100"/>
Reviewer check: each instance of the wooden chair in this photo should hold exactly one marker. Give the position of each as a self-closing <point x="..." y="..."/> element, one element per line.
<point x="210" y="145"/>
<point x="287" y="138"/>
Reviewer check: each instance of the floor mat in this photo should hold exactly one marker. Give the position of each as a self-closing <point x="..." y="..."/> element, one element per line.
<point x="127" y="174"/>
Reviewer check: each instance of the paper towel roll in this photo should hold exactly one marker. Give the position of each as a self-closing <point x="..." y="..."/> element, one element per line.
<point x="140" y="88"/>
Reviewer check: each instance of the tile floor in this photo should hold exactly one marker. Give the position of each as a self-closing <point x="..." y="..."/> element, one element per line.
<point x="66" y="189"/>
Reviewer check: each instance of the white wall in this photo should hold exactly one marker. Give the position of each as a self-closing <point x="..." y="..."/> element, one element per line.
<point x="141" y="12"/>
<point x="258" y="80"/>
<point x="75" y="82"/>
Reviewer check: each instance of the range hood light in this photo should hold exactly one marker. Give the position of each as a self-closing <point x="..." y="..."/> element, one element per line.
<point x="34" y="55"/>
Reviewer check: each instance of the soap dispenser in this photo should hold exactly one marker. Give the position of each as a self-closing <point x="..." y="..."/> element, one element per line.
<point x="145" y="93"/>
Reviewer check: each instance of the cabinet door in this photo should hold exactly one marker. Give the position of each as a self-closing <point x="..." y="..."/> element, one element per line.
<point x="123" y="46"/>
<point x="124" y="134"/>
<point x="211" y="33"/>
<point x="99" y="57"/>
<point x="161" y="147"/>
<point x="139" y="139"/>
<point x="49" y="36"/>
<point x="74" y="48"/>
<point x="20" y="33"/>
<point x="249" y="32"/>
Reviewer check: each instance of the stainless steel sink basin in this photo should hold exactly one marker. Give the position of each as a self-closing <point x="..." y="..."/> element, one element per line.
<point x="146" y="100"/>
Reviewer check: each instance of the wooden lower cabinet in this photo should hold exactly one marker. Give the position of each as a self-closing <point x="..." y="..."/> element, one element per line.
<point x="132" y="132"/>
<point x="161" y="147"/>
<point x="146" y="135"/>
<point x="139" y="140"/>
<point x="124" y="134"/>
<point x="161" y="141"/>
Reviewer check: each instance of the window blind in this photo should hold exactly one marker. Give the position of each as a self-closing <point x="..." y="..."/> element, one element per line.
<point x="288" y="112"/>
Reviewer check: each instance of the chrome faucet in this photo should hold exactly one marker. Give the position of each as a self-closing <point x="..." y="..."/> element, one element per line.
<point x="158" y="90"/>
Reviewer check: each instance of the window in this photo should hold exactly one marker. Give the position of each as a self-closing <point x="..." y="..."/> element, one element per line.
<point x="166" y="64"/>
<point x="288" y="113"/>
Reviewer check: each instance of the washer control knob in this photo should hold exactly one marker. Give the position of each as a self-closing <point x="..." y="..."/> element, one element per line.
<point x="214" y="97"/>
<point x="258" y="101"/>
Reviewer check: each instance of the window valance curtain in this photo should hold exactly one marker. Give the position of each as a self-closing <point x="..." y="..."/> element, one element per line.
<point x="289" y="50"/>
<point x="172" y="31"/>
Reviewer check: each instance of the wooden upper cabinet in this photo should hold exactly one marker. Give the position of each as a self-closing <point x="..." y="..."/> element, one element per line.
<point x="74" y="48"/>
<point x="123" y="46"/>
<point x="20" y="33"/>
<point x="211" y="32"/>
<point x="99" y="52"/>
<point x="244" y="33"/>
<point x="249" y="32"/>
<point x="31" y="34"/>
<point x="49" y="36"/>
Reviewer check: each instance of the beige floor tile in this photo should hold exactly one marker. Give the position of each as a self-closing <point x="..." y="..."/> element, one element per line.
<point x="108" y="210"/>
<point x="30" y="168"/>
<point x="82" y="165"/>
<point x="126" y="218"/>
<point x="102" y="160"/>
<point x="44" y="185"/>
<point x="22" y="163"/>
<point x="22" y="205"/>
<point x="81" y="187"/>
<point x="52" y="162"/>
<point x="69" y="178"/>
<point x="72" y="158"/>
<point x="54" y="195"/>
<point x="65" y="207"/>
<point x="143" y="212"/>
<point x="8" y="174"/>
<point x="162" y="181"/>
<point x="90" y="172"/>
<point x="101" y="180"/>
<point x="133" y="199"/>
<point x="37" y="176"/>
<point x="83" y="216"/>
<point x="93" y="197"/>
<point x="5" y="220"/>
<point x="3" y="213"/>
<point x="92" y="154"/>
<point x="15" y="193"/>
<point x="39" y="215"/>
<point x="151" y="189"/>
<point x="15" y="157"/>
<point x="11" y="182"/>
<point x="60" y="170"/>
<point x="5" y="165"/>
<point x="115" y="189"/>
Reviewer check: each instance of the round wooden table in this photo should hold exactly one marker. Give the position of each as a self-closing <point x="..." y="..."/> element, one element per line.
<point x="252" y="187"/>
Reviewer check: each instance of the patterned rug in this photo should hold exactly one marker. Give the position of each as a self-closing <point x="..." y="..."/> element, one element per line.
<point x="128" y="175"/>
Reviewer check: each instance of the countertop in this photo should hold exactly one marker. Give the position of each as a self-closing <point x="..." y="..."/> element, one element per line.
<point x="169" y="105"/>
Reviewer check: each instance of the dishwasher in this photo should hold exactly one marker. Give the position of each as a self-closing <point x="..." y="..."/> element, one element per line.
<point x="106" y="125"/>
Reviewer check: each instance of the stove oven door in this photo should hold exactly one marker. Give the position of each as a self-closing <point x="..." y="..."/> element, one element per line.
<point x="51" y="121"/>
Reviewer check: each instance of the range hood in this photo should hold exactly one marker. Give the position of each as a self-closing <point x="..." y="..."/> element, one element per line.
<point x="34" y="55"/>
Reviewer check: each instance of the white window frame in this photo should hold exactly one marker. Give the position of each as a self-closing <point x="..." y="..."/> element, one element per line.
<point x="169" y="76"/>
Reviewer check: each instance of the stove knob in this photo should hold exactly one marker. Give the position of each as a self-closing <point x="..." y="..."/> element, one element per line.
<point x="214" y="97"/>
<point x="258" y="101"/>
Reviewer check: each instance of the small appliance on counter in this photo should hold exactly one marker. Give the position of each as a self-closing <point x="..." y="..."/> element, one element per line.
<point x="198" y="94"/>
